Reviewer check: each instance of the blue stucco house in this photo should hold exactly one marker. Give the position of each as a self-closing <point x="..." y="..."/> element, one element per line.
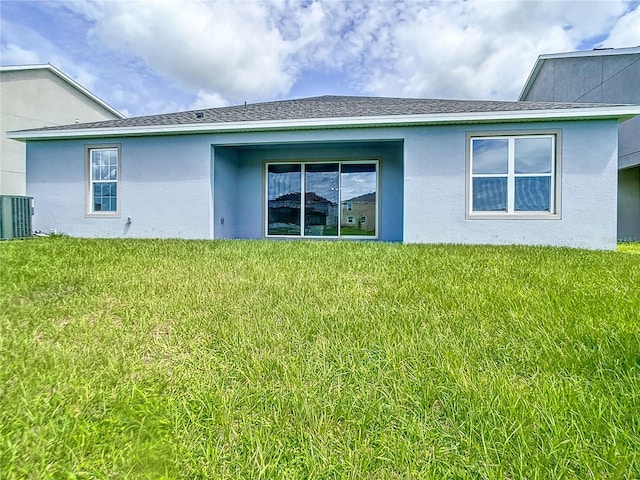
<point x="432" y="171"/>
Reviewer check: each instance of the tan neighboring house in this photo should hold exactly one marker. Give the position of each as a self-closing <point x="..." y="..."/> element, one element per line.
<point x="360" y="213"/>
<point x="36" y="96"/>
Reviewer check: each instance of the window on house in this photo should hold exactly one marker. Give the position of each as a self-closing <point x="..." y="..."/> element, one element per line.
<point x="311" y="199"/>
<point x="103" y="178"/>
<point x="513" y="176"/>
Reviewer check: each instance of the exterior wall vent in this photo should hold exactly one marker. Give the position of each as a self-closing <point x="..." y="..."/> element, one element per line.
<point x="15" y="216"/>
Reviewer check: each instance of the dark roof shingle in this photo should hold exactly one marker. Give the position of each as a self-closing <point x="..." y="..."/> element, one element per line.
<point x="323" y="107"/>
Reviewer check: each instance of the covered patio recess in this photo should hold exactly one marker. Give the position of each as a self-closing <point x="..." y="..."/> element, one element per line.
<point x="317" y="190"/>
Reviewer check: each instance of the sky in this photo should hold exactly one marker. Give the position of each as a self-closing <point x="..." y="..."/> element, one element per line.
<point x="155" y="56"/>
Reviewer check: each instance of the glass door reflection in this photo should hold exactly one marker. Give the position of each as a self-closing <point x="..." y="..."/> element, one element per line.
<point x="321" y="186"/>
<point x="284" y="187"/>
<point x="358" y="211"/>
<point x="322" y="199"/>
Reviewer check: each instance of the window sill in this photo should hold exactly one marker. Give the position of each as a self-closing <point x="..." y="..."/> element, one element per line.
<point x="513" y="216"/>
<point x="103" y="215"/>
<point x="309" y="237"/>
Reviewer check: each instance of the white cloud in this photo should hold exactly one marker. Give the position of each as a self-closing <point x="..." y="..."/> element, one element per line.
<point x="208" y="100"/>
<point x="626" y="31"/>
<point x="80" y="73"/>
<point x="12" y="54"/>
<point x="158" y="56"/>
<point x="476" y="49"/>
<point x="232" y="48"/>
<point x="22" y="45"/>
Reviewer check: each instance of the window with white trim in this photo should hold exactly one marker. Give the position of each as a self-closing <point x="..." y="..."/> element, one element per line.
<point x="321" y="198"/>
<point x="103" y="175"/>
<point x="512" y="176"/>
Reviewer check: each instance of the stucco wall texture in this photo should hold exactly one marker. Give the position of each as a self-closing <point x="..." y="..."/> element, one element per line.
<point x="33" y="99"/>
<point x="607" y="78"/>
<point x="184" y="185"/>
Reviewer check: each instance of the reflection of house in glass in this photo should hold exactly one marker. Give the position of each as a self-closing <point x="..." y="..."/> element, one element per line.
<point x="284" y="213"/>
<point x="360" y="213"/>
<point x="320" y="215"/>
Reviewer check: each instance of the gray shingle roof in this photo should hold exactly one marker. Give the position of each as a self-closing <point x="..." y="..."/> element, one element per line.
<point x="366" y="198"/>
<point x="324" y="107"/>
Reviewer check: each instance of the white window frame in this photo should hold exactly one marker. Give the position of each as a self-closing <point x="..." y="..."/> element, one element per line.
<point x="90" y="182"/>
<point x="554" y="212"/>
<point x="351" y="219"/>
<point x="265" y="223"/>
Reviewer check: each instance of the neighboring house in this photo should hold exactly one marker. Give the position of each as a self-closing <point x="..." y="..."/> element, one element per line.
<point x="34" y="96"/>
<point x="442" y="171"/>
<point x="321" y="215"/>
<point x="360" y="213"/>
<point x="608" y="76"/>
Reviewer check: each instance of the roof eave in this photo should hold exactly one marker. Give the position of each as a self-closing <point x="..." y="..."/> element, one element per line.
<point x="604" y="52"/>
<point x="531" y="79"/>
<point x="596" y="52"/>
<point x="60" y="74"/>
<point x="621" y="113"/>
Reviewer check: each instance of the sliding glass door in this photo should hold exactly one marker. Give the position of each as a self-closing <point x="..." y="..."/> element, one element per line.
<point x="284" y="187"/>
<point x="322" y="199"/>
<point x="359" y="206"/>
<point x="322" y="183"/>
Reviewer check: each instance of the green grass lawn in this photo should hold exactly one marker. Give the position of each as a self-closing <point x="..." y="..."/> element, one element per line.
<point x="266" y="359"/>
<point x="629" y="247"/>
